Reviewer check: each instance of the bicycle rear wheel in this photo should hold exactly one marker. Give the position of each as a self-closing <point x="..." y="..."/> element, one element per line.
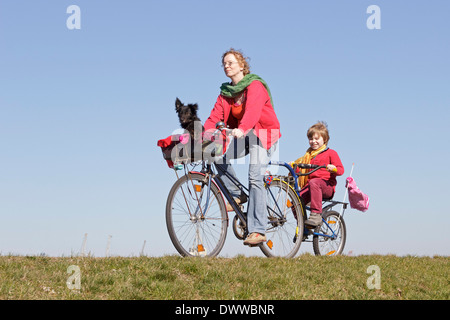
<point x="329" y="238"/>
<point x="196" y="219"/>
<point x="284" y="230"/>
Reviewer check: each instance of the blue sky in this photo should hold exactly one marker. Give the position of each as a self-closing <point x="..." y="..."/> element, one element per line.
<point x="81" y="112"/>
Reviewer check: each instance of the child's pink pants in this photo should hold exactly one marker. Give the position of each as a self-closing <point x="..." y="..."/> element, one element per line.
<point x="314" y="191"/>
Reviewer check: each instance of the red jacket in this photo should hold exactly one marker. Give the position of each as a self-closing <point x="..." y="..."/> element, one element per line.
<point x="329" y="156"/>
<point x="259" y="114"/>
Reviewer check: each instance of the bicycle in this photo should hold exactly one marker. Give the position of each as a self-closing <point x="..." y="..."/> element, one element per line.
<point x="330" y="237"/>
<point x="197" y="220"/>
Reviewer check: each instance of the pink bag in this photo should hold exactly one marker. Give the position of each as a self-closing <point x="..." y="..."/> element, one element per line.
<point x="358" y="200"/>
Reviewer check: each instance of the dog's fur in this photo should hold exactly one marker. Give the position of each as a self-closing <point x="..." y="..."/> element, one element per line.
<point x="187" y="114"/>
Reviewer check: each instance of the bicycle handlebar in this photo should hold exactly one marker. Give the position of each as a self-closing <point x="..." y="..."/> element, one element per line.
<point x="220" y="126"/>
<point x="306" y="166"/>
<point x="292" y="170"/>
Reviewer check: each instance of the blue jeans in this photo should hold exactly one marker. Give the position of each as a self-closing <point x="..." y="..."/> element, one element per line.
<point x="259" y="160"/>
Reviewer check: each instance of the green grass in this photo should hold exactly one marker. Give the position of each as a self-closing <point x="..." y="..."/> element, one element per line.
<point x="173" y="277"/>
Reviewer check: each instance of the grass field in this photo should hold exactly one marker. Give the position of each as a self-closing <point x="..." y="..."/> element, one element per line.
<point x="240" y="278"/>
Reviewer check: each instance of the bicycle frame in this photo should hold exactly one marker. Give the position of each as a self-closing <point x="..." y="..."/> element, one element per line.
<point x="207" y="169"/>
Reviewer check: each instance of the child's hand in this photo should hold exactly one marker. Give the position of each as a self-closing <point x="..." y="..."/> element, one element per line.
<point x="331" y="168"/>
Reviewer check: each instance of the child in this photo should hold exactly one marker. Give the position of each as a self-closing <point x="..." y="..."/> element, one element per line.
<point x="322" y="183"/>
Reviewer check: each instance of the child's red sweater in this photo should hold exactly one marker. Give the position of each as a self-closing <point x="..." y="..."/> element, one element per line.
<point x="329" y="156"/>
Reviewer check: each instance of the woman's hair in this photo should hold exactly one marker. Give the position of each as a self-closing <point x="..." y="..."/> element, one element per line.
<point x="321" y="128"/>
<point x="243" y="61"/>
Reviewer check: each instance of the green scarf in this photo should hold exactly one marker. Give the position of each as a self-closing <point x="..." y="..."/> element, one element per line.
<point x="230" y="91"/>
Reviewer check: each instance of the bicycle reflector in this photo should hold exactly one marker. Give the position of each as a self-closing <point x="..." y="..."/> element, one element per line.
<point x="269" y="244"/>
<point x="198" y="188"/>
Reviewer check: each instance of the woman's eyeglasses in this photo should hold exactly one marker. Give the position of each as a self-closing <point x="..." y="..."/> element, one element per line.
<point x="226" y="64"/>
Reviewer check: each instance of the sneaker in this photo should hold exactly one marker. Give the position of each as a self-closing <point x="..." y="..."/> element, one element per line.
<point x="315" y="220"/>
<point x="241" y="200"/>
<point x="254" y="239"/>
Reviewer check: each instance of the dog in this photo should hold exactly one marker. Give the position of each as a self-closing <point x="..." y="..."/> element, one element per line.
<point x="187" y="114"/>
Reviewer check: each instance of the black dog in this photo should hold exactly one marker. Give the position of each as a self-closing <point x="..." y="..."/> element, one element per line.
<point x="189" y="120"/>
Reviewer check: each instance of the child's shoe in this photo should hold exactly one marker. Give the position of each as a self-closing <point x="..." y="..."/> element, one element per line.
<point x="315" y="220"/>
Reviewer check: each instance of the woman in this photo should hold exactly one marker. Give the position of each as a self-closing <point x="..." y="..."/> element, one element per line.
<point x="246" y="107"/>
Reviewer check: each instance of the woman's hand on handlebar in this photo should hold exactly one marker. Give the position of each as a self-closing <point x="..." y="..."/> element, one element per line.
<point x="237" y="133"/>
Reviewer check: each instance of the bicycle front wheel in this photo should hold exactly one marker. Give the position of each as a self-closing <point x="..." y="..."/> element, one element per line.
<point x="285" y="212"/>
<point x="196" y="216"/>
<point x="329" y="238"/>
